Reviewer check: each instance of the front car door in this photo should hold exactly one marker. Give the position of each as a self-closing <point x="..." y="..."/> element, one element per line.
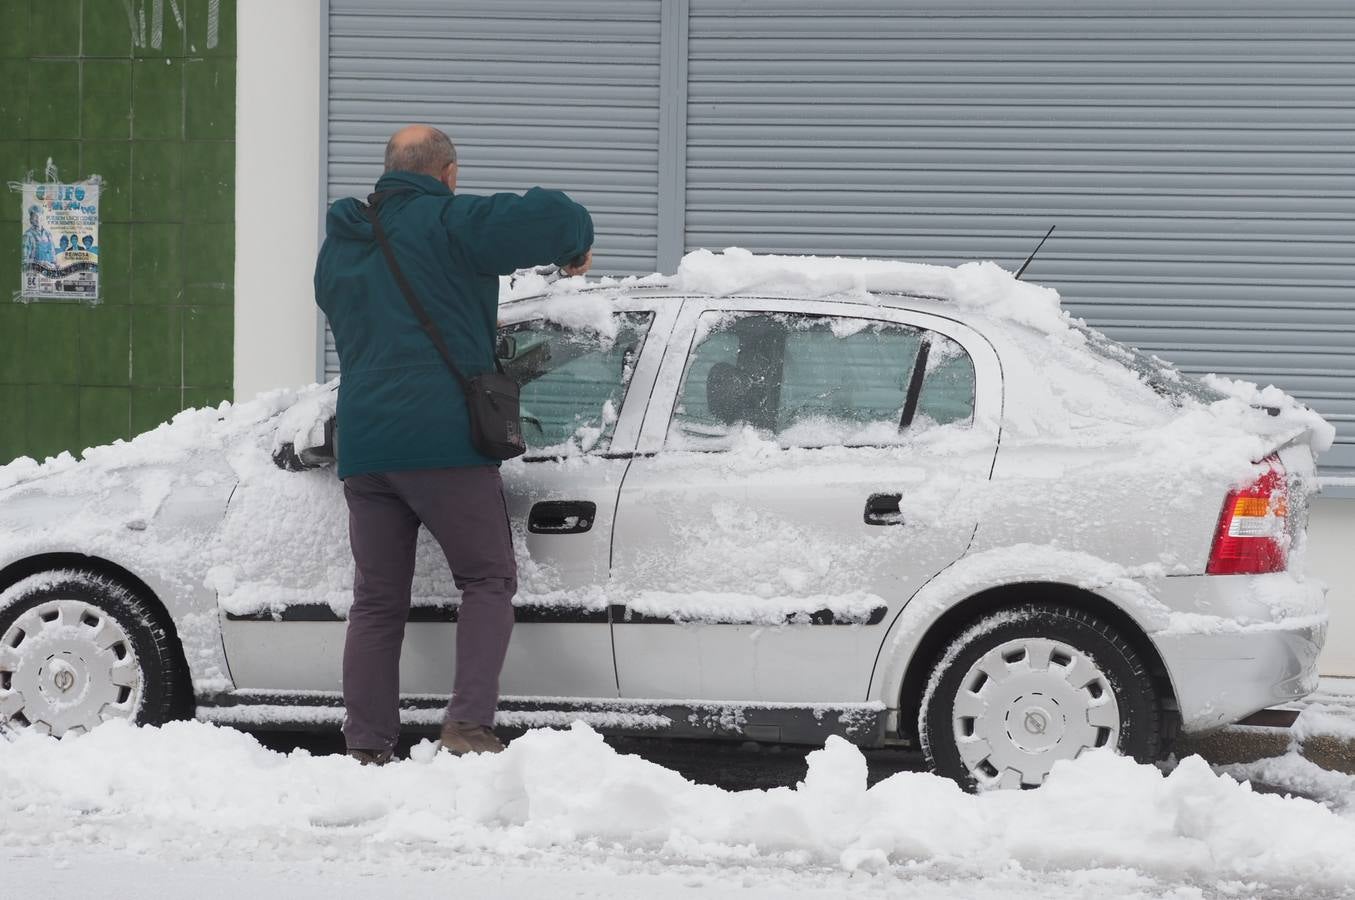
<point x="586" y="365"/>
<point x="284" y="626"/>
<point x="806" y="466"/>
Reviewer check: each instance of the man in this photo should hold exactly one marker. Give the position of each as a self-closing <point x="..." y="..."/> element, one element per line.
<point x="404" y="446"/>
<point x="38" y="246"/>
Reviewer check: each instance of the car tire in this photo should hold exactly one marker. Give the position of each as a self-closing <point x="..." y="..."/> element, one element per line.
<point x="78" y="649"/>
<point x="1021" y="688"/>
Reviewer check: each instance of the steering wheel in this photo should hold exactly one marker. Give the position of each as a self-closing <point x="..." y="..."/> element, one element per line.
<point x="529" y="419"/>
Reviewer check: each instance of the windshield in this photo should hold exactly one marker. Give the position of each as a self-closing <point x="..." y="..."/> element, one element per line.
<point x="1160" y="375"/>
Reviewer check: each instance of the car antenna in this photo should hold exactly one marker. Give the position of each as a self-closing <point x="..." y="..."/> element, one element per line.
<point x="1022" y="270"/>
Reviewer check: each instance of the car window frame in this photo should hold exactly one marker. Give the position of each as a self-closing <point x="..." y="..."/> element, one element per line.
<point x="988" y="395"/>
<point x="636" y="400"/>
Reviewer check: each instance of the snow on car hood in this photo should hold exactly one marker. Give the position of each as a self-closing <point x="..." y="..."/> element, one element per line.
<point x="191" y="434"/>
<point x="157" y="505"/>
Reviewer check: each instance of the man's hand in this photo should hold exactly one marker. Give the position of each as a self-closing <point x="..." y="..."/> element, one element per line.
<point x="580" y="266"/>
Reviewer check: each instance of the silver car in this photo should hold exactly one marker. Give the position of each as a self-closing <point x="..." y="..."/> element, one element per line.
<point x="903" y="519"/>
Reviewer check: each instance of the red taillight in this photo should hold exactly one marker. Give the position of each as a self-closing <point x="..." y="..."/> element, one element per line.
<point x="1253" y="537"/>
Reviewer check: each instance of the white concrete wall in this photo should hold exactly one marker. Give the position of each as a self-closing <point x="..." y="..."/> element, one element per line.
<point x="1331" y="557"/>
<point x="277" y="193"/>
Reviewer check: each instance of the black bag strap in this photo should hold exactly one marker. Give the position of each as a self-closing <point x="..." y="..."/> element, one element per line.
<point x="425" y="322"/>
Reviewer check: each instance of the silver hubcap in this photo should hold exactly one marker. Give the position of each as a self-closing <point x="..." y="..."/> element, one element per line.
<point x="1025" y="705"/>
<point x="66" y="666"/>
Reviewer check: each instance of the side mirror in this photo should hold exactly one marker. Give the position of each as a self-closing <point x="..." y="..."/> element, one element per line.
<point x="286" y="457"/>
<point x="506" y="347"/>
<point x="323" y="455"/>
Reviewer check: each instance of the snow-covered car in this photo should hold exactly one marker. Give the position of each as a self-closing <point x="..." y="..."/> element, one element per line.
<point x="766" y="498"/>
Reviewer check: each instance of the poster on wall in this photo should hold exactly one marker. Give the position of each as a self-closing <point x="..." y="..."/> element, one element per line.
<point x="60" y="241"/>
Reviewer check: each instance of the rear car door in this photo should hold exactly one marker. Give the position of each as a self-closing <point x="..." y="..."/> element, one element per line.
<point x="806" y="466"/>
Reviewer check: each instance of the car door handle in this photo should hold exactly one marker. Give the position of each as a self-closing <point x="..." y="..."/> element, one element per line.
<point x="561" y="517"/>
<point x="883" y="509"/>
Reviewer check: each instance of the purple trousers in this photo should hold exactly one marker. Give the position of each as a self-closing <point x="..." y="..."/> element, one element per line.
<point x="464" y="510"/>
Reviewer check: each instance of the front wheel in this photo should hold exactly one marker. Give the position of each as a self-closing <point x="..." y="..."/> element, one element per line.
<point x="1023" y="688"/>
<point x="78" y="650"/>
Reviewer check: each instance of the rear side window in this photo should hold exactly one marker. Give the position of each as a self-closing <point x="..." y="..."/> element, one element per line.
<point x="811" y="381"/>
<point x="947" y="395"/>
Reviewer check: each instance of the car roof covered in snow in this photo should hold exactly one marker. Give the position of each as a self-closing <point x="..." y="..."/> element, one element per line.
<point x="1066" y="380"/>
<point x="979" y="286"/>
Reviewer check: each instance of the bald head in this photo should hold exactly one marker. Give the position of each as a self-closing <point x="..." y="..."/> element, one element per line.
<point x="422" y="149"/>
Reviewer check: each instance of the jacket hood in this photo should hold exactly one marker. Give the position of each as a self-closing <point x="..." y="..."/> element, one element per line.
<point x="347" y="218"/>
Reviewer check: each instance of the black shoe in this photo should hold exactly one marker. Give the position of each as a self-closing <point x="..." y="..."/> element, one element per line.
<point x="371" y="757"/>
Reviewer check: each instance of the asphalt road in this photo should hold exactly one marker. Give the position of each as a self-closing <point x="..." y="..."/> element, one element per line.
<point x="736" y="766"/>
<point x="726" y="764"/>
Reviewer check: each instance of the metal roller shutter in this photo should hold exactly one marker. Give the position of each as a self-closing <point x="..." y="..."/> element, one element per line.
<point x="1197" y="159"/>
<point x="532" y="92"/>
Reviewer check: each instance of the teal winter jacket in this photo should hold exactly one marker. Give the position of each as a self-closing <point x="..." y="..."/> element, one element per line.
<point x="399" y="407"/>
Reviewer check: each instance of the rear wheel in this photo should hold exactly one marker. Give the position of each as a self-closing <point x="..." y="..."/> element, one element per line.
<point x="78" y="650"/>
<point x="1023" y="688"/>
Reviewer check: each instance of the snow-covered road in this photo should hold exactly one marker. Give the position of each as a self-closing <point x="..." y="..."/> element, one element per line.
<point x="600" y="875"/>
<point x="194" y="809"/>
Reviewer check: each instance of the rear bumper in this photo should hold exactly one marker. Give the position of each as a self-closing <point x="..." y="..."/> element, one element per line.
<point x="1223" y="666"/>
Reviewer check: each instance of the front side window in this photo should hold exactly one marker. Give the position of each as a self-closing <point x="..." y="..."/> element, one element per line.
<point x="573" y="381"/>
<point x="812" y="381"/>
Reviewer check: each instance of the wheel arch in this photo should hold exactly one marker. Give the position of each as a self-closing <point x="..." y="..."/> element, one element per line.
<point x="947" y="626"/>
<point x="17" y="571"/>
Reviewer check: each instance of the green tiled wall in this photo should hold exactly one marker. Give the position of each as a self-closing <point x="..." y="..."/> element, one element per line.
<point x="82" y="83"/>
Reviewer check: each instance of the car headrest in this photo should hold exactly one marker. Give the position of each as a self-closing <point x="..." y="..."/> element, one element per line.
<point x="728" y="389"/>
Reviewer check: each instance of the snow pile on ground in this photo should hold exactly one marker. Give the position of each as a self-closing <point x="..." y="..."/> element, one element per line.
<point x="1323" y="720"/>
<point x="190" y="791"/>
<point x="1292" y="773"/>
<point x="1328" y="712"/>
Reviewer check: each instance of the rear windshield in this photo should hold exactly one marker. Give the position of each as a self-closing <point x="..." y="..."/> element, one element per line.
<point x="1160" y="375"/>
